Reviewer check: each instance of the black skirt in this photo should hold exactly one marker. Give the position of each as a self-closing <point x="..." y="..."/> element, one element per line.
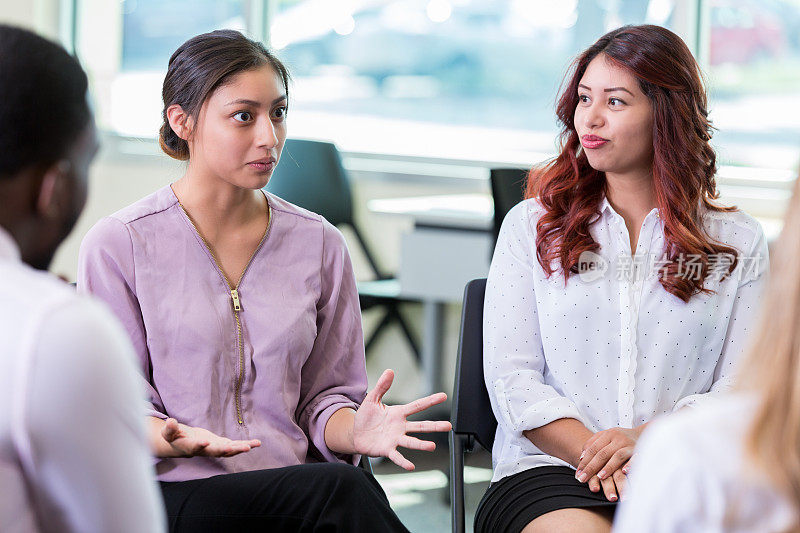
<point x="513" y="502"/>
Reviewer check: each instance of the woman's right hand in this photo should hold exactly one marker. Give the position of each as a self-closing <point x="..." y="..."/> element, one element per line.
<point x="180" y="440"/>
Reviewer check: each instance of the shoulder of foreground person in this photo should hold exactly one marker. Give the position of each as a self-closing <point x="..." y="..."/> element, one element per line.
<point x="82" y="435"/>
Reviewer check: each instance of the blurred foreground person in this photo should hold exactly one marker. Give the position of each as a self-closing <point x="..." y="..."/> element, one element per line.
<point x="73" y="452"/>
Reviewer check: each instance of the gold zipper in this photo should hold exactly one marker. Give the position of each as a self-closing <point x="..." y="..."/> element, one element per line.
<point x="236" y="302"/>
<point x="237" y="393"/>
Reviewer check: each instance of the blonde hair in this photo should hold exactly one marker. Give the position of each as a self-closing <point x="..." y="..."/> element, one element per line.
<point x="772" y="366"/>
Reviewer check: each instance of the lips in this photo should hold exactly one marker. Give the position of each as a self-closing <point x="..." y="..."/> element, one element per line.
<point x="263" y="165"/>
<point x="592" y="141"/>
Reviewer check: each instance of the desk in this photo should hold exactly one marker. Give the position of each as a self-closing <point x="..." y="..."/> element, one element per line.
<point x="451" y="244"/>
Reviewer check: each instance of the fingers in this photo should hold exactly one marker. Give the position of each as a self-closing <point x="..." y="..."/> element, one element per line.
<point x="589" y="442"/>
<point x="428" y="426"/>
<point x="383" y="384"/>
<point x="616" y="461"/>
<point x="609" y="489"/>
<point x="594" y="484"/>
<point x="590" y="465"/>
<point x="229" y="448"/>
<point x="414" y="443"/>
<point x="424" y="403"/>
<point x="627" y="468"/>
<point x="605" y="462"/>
<point x="593" y="445"/>
<point x="184" y="443"/>
<point x="620" y="480"/>
<point x="224" y="449"/>
<point x="235" y="447"/>
<point x="171" y="430"/>
<point x="398" y="459"/>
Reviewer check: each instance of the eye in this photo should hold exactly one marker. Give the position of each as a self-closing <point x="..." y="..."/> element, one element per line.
<point x="243" y="116"/>
<point x="583" y="98"/>
<point x="279" y="113"/>
<point x="615" y="102"/>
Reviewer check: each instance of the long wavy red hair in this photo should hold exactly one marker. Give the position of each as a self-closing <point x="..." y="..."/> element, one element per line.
<point x="684" y="164"/>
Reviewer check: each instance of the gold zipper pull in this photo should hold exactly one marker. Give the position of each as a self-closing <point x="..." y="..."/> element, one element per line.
<point x="235" y="297"/>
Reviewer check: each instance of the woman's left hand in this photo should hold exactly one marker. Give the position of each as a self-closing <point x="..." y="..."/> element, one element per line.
<point x="378" y="429"/>
<point x="605" y="452"/>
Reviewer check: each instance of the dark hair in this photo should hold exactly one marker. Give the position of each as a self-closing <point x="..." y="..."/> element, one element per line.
<point x="43" y="101"/>
<point x="684" y="164"/>
<point x="201" y="65"/>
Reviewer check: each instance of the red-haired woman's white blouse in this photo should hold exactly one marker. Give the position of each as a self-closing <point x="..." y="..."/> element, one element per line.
<point x="611" y="347"/>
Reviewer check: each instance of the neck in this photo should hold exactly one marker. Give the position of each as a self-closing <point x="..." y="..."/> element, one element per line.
<point x="215" y="202"/>
<point x="37" y="241"/>
<point x="631" y="195"/>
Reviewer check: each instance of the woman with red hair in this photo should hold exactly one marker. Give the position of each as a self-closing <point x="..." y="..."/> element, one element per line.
<point x="619" y="290"/>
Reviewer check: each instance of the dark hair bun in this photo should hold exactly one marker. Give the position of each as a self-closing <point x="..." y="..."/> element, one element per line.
<point x="171" y="144"/>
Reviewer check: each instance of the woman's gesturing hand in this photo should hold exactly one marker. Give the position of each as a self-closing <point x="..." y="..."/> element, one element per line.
<point x="605" y="452"/>
<point x="187" y="441"/>
<point x="378" y="429"/>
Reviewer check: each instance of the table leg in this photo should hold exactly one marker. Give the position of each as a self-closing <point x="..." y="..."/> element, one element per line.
<point x="432" y="342"/>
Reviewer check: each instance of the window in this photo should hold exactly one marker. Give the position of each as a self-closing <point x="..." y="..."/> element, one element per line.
<point x="125" y="47"/>
<point x="452" y="79"/>
<point x="474" y="79"/>
<point x="754" y="74"/>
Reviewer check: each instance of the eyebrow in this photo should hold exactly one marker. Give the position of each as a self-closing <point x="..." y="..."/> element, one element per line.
<point x="253" y="103"/>
<point x="609" y="90"/>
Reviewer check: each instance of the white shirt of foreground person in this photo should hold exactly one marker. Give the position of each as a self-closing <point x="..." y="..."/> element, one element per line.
<point x="690" y="473"/>
<point x="612" y="348"/>
<point x="73" y="454"/>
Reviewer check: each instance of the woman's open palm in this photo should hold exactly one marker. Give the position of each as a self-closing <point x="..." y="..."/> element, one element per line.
<point x="188" y="441"/>
<point x="379" y="429"/>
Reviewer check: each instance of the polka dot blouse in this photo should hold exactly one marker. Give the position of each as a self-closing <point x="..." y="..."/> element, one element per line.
<point x="611" y="347"/>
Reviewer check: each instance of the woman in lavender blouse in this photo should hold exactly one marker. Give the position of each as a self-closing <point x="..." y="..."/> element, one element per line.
<point x="244" y="313"/>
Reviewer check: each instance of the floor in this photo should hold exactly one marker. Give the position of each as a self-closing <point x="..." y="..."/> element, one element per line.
<point x="421" y="497"/>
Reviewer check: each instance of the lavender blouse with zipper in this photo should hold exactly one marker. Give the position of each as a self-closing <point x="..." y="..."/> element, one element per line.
<point x="272" y="359"/>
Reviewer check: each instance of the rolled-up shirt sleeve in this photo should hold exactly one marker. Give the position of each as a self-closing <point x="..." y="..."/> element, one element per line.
<point x="513" y="357"/>
<point x="106" y="270"/>
<point x="751" y="273"/>
<point x="334" y="376"/>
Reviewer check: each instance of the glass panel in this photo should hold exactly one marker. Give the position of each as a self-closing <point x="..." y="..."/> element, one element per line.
<point x="451" y="78"/>
<point x="754" y="72"/>
<point x="125" y="46"/>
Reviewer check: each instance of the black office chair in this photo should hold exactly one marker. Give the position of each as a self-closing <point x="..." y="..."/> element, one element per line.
<point x="365" y="464"/>
<point x="508" y="189"/>
<point x="472" y="417"/>
<point x="311" y="175"/>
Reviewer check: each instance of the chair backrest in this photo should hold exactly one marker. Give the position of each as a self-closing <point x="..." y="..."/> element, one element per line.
<point x="508" y="189"/>
<point x="310" y="174"/>
<point x="472" y="411"/>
